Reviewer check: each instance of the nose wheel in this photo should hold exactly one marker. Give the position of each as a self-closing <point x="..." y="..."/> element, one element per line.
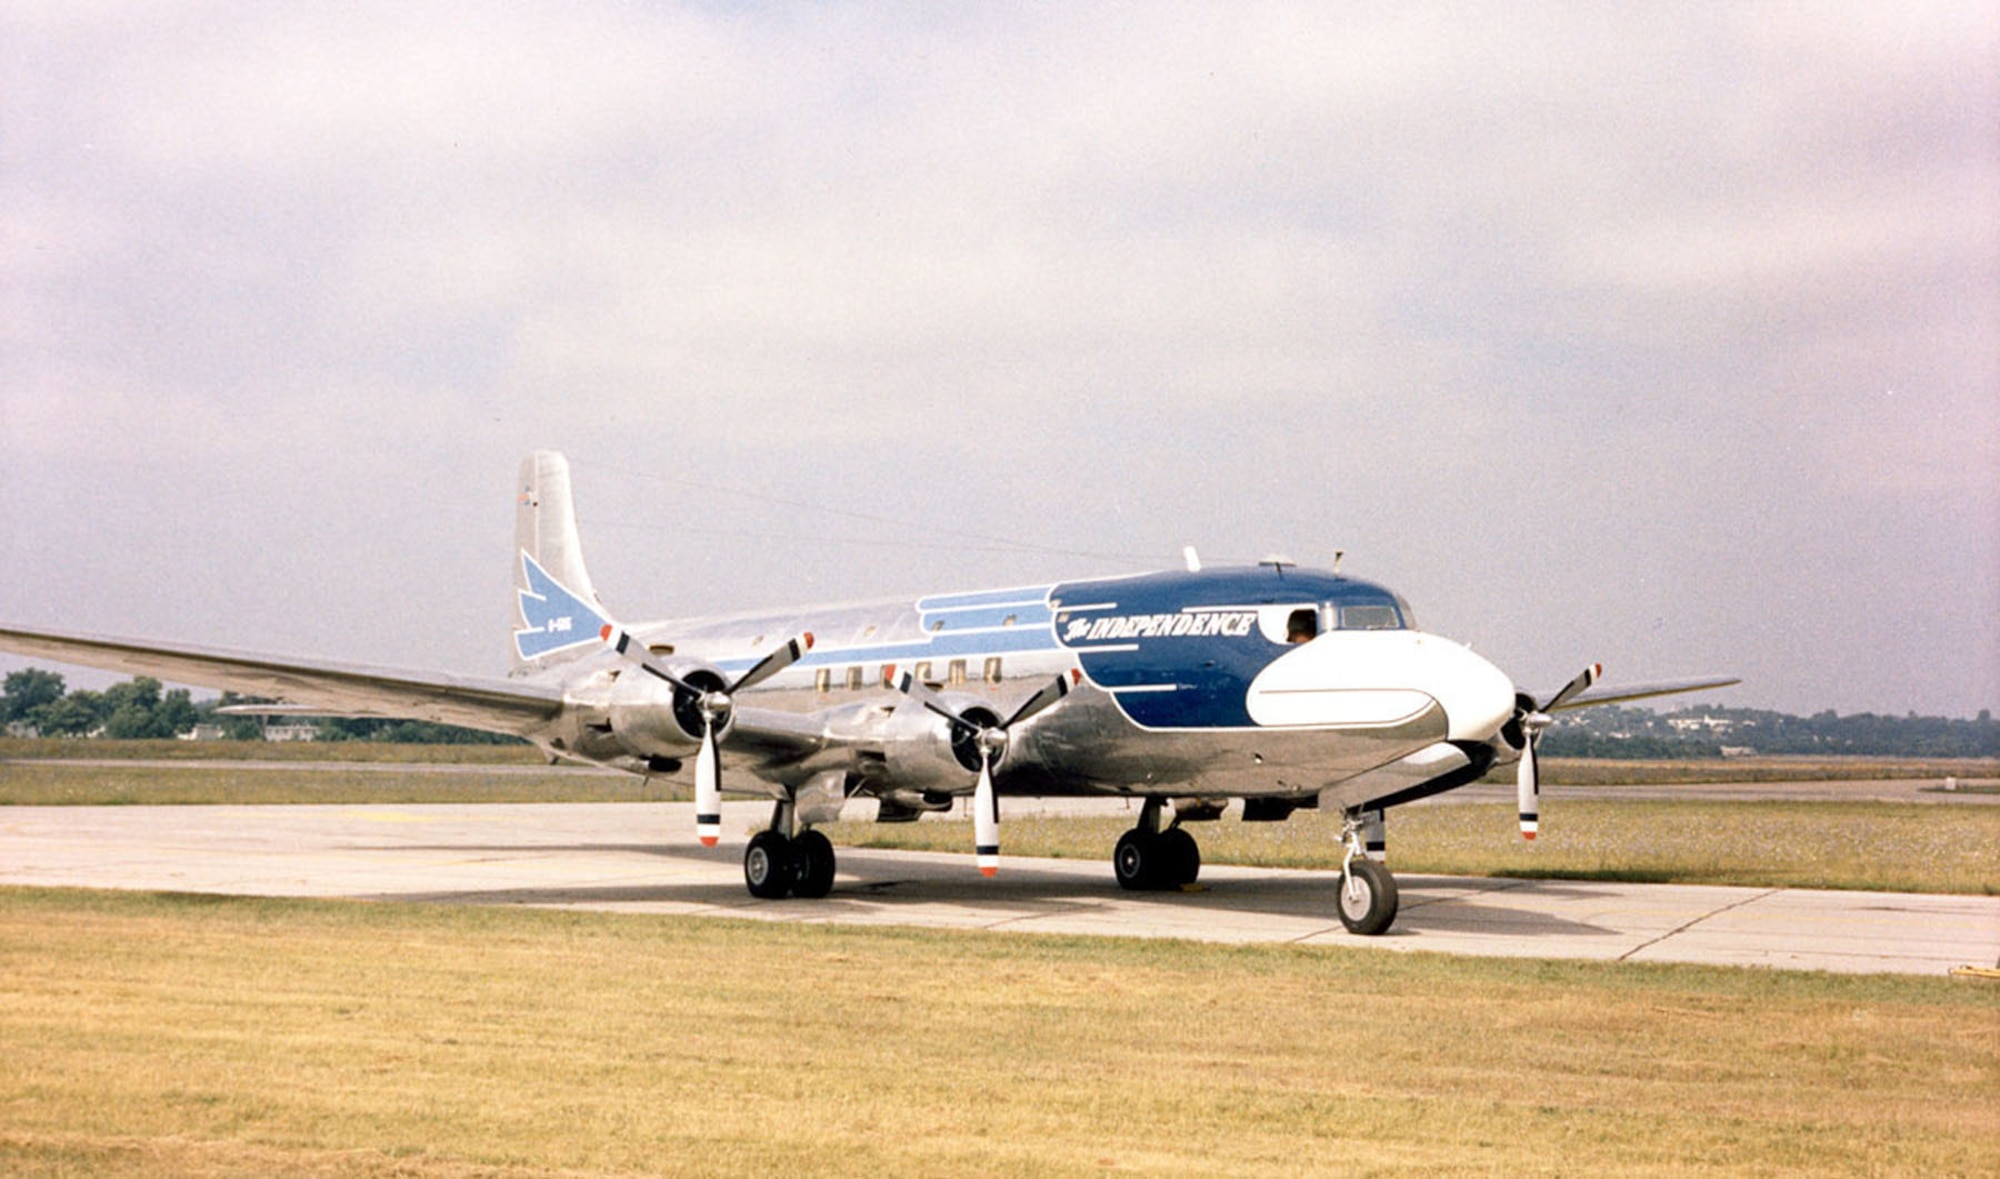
<point x="1368" y="896"/>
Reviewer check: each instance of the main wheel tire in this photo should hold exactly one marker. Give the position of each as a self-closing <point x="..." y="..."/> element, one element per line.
<point x="814" y="853"/>
<point x="1180" y="858"/>
<point x="1135" y="861"/>
<point x="1367" y="898"/>
<point x="769" y="869"/>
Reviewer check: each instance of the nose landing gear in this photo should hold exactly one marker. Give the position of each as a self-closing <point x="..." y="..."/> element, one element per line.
<point x="1368" y="896"/>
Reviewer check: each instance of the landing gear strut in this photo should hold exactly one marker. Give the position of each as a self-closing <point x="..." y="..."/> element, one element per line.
<point x="1368" y="897"/>
<point x="778" y="864"/>
<point x="1149" y="859"/>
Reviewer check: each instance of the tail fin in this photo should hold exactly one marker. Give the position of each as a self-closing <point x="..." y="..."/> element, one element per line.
<point x="560" y="616"/>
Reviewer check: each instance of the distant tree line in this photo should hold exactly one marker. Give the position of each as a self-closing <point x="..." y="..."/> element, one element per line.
<point x="39" y="701"/>
<point x="1699" y="732"/>
<point x="136" y="708"/>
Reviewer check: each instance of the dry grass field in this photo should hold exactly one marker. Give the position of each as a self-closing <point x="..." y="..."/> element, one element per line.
<point x="152" y="1035"/>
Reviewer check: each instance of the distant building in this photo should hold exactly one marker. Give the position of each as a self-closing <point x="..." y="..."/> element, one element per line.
<point x="204" y="733"/>
<point x="305" y="732"/>
<point x="1701" y="722"/>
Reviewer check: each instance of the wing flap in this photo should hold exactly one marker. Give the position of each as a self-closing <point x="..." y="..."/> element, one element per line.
<point x="503" y="706"/>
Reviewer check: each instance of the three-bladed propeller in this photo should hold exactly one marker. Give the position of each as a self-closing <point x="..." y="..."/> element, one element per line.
<point x="713" y="705"/>
<point x="991" y="742"/>
<point x="1533" y="719"/>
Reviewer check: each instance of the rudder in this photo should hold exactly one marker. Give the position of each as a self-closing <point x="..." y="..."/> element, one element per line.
<point x="546" y="543"/>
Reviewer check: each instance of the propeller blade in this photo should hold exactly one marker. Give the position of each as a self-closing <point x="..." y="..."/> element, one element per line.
<point x="707" y="791"/>
<point x="1581" y="683"/>
<point x="1528" y="788"/>
<point x="622" y="642"/>
<point x="787" y="654"/>
<point x="919" y="691"/>
<point x="1051" y="692"/>
<point x="985" y="803"/>
<point x="986" y="820"/>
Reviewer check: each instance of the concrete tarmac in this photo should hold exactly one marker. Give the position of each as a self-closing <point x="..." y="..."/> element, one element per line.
<point x="642" y="857"/>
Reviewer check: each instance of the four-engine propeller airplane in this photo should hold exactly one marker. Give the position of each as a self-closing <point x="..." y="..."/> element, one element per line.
<point x="1279" y="686"/>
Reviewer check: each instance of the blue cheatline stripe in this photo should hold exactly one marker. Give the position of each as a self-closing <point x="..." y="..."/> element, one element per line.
<point x="971" y="618"/>
<point x="945" y="646"/>
<point x="1022" y="596"/>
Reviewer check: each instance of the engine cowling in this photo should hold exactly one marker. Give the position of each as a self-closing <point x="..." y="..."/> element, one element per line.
<point x="651" y="718"/>
<point x="925" y="752"/>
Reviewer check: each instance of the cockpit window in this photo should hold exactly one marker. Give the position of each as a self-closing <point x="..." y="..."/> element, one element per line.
<point x="1370" y="617"/>
<point x="1302" y="625"/>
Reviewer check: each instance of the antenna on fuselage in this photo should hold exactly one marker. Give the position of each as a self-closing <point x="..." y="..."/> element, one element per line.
<point x="1337" y="555"/>
<point x="1192" y="558"/>
<point x="1279" y="563"/>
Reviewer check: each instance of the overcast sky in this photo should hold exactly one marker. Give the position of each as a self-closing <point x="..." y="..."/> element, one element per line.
<point x="1668" y="341"/>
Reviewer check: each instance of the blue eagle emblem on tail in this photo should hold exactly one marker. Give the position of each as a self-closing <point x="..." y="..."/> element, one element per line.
<point x="552" y="618"/>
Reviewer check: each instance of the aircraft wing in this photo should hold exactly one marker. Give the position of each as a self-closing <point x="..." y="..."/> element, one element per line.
<point x="506" y="706"/>
<point x="779" y="737"/>
<point x="1619" y="693"/>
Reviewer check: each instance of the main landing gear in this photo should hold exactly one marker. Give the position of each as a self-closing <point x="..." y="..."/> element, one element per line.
<point x="1148" y="859"/>
<point x="778" y="864"/>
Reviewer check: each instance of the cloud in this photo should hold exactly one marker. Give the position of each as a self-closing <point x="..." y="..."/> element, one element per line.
<point x="1545" y="312"/>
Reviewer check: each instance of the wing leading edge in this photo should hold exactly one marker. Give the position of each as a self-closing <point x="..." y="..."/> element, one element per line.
<point x="1619" y="693"/>
<point x="506" y="706"/>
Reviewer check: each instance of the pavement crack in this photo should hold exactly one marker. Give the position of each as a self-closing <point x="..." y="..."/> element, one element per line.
<point x="1687" y="925"/>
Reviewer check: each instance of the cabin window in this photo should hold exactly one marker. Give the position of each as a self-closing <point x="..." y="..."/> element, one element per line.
<point x="854" y="679"/>
<point x="823" y="680"/>
<point x="937" y="625"/>
<point x="1370" y="617"/>
<point x="1009" y="620"/>
<point x="922" y="671"/>
<point x="954" y="673"/>
<point x="992" y="669"/>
